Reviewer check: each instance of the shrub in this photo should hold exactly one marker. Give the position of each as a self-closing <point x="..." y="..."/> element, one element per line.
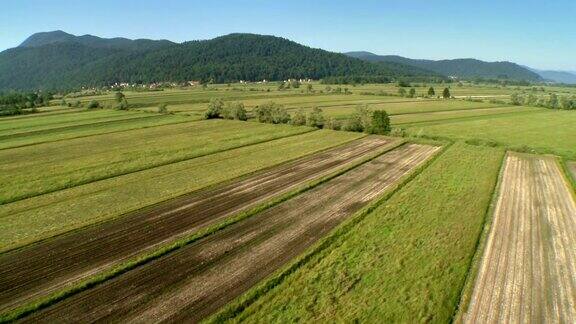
<point x="214" y="109"/>
<point x="93" y="104"/>
<point x="299" y="118"/>
<point x="234" y="110"/>
<point x="163" y="108"/>
<point x="332" y="123"/>
<point x="380" y="123"/>
<point x="272" y="113"/>
<point x="315" y="118"/>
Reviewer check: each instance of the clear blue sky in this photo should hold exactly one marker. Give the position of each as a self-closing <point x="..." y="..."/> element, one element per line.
<point x="541" y="34"/>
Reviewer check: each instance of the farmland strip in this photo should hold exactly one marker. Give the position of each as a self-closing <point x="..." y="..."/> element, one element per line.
<point x="46" y="267"/>
<point x="537" y="243"/>
<point x="196" y="280"/>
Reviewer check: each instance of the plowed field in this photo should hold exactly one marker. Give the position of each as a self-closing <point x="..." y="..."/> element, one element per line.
<point x="528" y="271"/>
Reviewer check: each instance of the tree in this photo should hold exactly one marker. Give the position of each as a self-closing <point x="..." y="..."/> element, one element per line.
<point x="309" y="87"/>
<point x="315" y="118"/>
<point x="402" y="92"/>
<point x="515" y="99"/>
<point x="412" y="93"/>
<point x="380" y="122"/>
<point x="119" y="96"/>
<point x="93" y="104"/>
<point x="295" y="84"/>
<point x="360" y="120"/>
<point x="446" y="93"/>
<point x="299" y="118"/>
<point x="431" y="91"/>
<point x="214" y="109"/>
<point x="281" y="86"/>
<point x="332" y="123"/>
<point x="163" y="108"/>
<point x="272" y="113"/>
<point x="553" y="101"/>
<point x="234" y="110"/>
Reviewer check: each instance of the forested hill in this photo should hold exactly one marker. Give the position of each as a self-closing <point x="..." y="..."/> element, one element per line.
<point x="58" y="60"/>
<point x="462" y="68"/>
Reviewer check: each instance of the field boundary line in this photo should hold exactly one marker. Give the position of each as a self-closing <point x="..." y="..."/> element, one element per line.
<point x="145" y="258"/>
<point x="314" y="252"/>
<point x="136" y="170"/>
<point x="97" y="134"/>
<point x="474" y="266"/>
<point x="569" y="178"/>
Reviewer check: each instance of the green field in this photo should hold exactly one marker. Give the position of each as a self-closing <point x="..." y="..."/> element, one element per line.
<point x="39" y="217"/>
<point x="59" y="165"/>
<point x="23" y="136"/>
<point x="404" y="262"/>
<point x="543" y="131"/>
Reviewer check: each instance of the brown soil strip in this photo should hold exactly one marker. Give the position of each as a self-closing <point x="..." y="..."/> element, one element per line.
<point x="528" y="271"/>
<point x="41" y="269"/>
<point x="196" y="280"/>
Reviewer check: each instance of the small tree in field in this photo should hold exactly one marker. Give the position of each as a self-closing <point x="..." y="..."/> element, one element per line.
<point x="163" y="108"/>
<point x="380" y="122"/>
<point x="412" y="93"/>
<point x="299" y="118"/>
<point x="332" y="123"/>
<point x="402" y="92"/>
<point x="214" y="109"/>
<point x="431" y="91"/>
<point x="93" y="104"/>
<point x="309" y="87"/>
<point x="446" y="93"/>
<point x="315" y="118"/>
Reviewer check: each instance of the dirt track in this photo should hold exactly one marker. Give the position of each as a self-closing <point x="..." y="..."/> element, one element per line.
<point x="528" y="271"/>
<point x="43" y="268"/>
<point x="198" y="279"/>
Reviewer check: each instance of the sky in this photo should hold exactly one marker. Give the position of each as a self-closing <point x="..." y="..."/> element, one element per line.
<point x="539" y="34"/>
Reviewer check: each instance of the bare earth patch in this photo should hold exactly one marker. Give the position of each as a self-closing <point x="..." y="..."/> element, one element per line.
<point x="528" y="271"/>
<point x="193" y="282"/>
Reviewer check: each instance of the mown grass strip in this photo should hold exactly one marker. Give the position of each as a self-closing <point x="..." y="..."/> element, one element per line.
<point x="241" y="303"/>
<point x="86" y="123"/>
<point x="77" y="165"/>
<point x="90" y="130"/>
<point x="162" y="251"/>
<point x="468" y="286"/>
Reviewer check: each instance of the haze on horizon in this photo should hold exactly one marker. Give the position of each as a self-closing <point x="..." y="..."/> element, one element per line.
<point x="525" y="32"/>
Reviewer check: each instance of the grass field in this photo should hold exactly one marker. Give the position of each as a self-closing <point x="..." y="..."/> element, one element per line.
<point x="32" y="219"/>
<point x="542" y="130"/>
<point x="60" y="165"/>
<point x="405" y="259"/>
<point x="405" y="262"/>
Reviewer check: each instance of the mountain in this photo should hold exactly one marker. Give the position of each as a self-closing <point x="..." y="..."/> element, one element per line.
<point x="59" y="37"/>
<point x="557" y="76"/>
<point x="461" y="68"/>
<point x="57" y="60"/>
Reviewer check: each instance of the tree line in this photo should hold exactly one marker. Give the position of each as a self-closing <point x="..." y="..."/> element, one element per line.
<point x="362" y="120"/>
<point x="552" y="101"/>
<point x="16" y="103"/>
